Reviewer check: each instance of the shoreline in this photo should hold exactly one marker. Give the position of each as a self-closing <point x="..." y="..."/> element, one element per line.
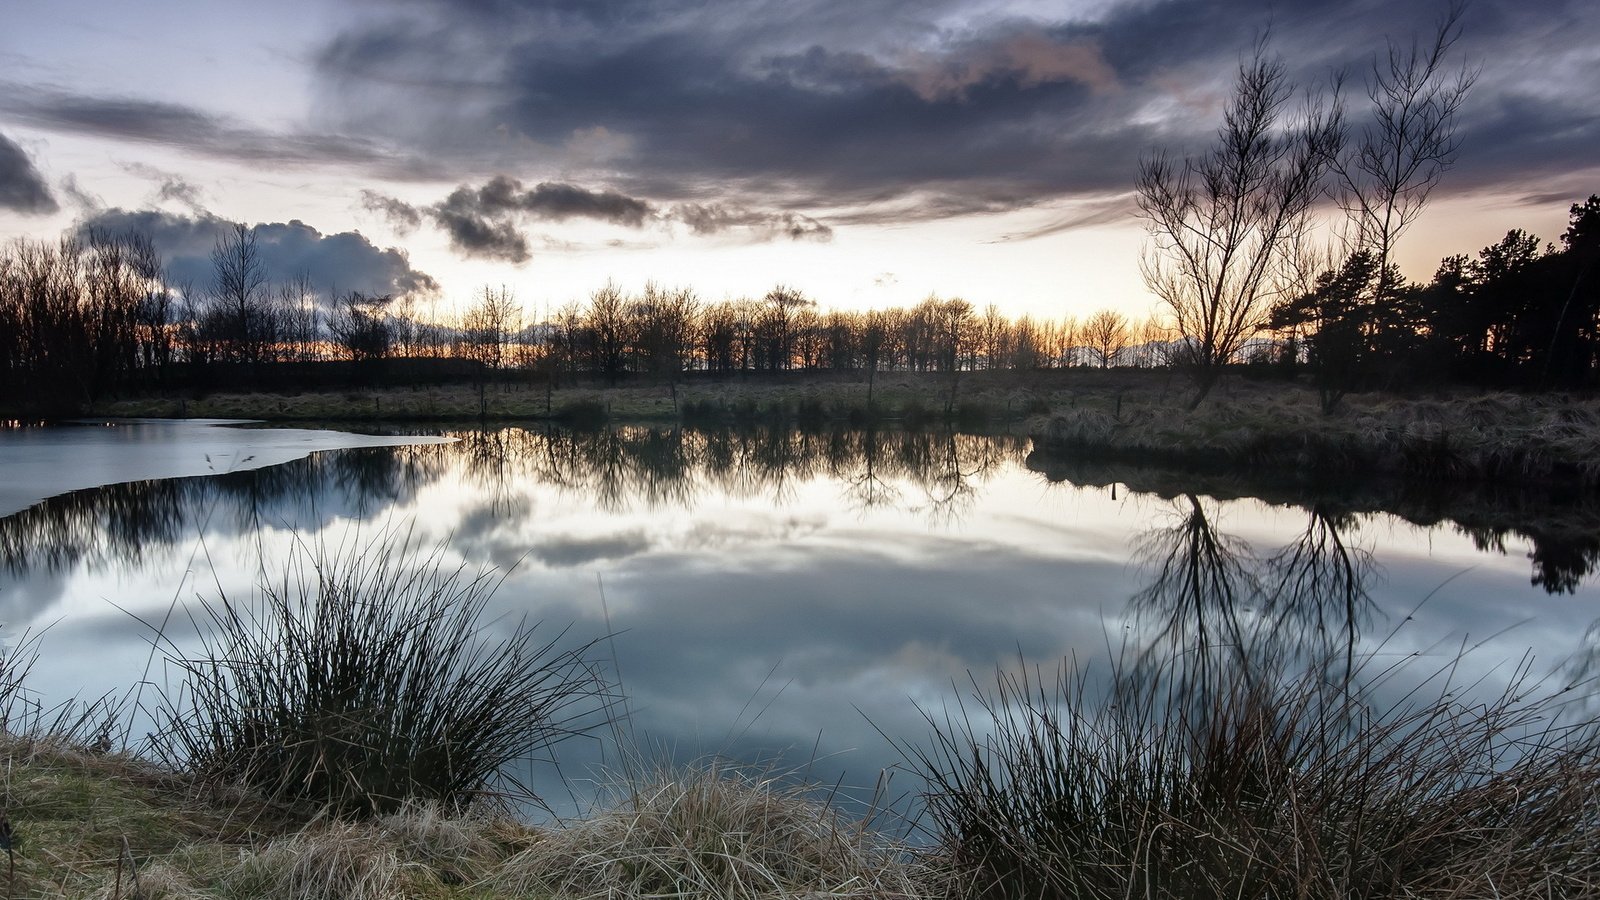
<point x="1131" y="416"/>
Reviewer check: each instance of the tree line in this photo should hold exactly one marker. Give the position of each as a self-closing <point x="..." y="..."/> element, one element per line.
<point x="1517" y="314"/>
<point x="96" y="316"/>
<point x="87" y="318"/>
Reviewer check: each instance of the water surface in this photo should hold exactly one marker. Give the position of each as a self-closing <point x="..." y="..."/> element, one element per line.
<point x="795" y="597"/>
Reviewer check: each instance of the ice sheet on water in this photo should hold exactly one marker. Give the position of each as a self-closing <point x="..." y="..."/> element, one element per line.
<point x="38" y="463"/>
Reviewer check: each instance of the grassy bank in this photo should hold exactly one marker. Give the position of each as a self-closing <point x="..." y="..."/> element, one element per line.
<point x="1265" y="789"/>
<point x="979" y="398"/>
<point x="88" y="824"/>
<point x="1497" y="438"/>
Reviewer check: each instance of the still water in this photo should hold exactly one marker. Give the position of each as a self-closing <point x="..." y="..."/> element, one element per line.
<point x="798" y="599"/>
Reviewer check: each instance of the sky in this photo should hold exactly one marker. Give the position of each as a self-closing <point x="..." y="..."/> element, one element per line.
<point x="867" y="152"/>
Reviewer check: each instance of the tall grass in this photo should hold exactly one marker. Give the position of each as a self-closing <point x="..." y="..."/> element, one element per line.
<point x="1279" y="788"/>
<point x="75" y="722"/>
<point x="365" y="679"/>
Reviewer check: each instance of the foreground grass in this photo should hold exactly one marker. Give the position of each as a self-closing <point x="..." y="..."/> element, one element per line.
<point x="1256" y="790"/>
<point x="111" y="826"/>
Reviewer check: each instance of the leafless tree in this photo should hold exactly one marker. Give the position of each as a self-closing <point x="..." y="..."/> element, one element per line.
<point x="297" y="303"/>
<point x="1220" y="224"/>
<point x="608" y="330"/>
<point x="1107" y="335"/>
<point x="360" y="326"/>
<point x="240" y="319"/>
<point x="489" y="326"/>
<point x="1384" y="177"/>
<point x="782" y="304"/>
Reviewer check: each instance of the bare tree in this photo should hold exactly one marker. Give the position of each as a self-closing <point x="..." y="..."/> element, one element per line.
<point x="297" y="303"/>
<point x="240" y="320"/>
<point x="1107" y="335"/>
<point x="360" y="326"/>
<point x="608" y="321"/>
<point x="489" y="326"/>
<point x="1220" y="224"/>
<point x="1384" y="178"/>
<point x="782" y="305"/>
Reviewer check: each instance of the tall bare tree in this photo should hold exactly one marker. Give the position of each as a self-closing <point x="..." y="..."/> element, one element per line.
<point x="608" y="330"/>
<point x="1384" y="176"/>
<point x="241" y="319"/>
<point x="1220" y="224"/>
<point x="489" y="326"/>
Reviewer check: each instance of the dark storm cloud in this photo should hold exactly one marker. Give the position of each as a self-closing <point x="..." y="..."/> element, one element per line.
<point x="346" y="261"/>
<point x="402" y="216"/>
<point x="715" y="218"/>
<point x="565" y="201"/>
<point x="826" y="103"/>
<point x="125" y="118"/>
<point x="487" y="221"/>
<point x="22" y="188"/>
<point x="473" y="235"/>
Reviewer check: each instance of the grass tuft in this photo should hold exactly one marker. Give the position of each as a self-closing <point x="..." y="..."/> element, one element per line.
<point x="1273" y="788"/>
<point x="364" y="680"/>
<point x="711" y="832"/>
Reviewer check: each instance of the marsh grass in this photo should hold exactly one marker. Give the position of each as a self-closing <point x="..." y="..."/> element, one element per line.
<point x="86" y="723"/>
<point x="712" y="830"/>
<point x="806" y="398"/>
<point x="1295" y="787"/>
<point x="365" y="679"/>
<point x="1487" y="437"/>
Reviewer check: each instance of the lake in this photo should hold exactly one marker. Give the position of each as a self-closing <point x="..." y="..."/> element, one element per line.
<point x="796" y="598"/>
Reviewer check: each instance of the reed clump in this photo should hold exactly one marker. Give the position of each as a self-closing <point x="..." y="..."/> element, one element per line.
<point x="364" y="680"/>
<point x="1266" y="789"/>
<point x="711" y="831"/>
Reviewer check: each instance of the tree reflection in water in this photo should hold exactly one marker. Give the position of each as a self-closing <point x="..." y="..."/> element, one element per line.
<point x="612" y="469"/>
<point x="1215" y="613"/>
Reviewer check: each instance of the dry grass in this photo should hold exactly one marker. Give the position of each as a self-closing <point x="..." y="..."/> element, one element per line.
<point x="365" y="680"/>
<point x="711" y="832"/>
<point x="989" y="397"/>
<point x="1490" y="437"/>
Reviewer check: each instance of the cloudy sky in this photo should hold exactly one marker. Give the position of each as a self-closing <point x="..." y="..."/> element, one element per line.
<point x="869" y="152"/>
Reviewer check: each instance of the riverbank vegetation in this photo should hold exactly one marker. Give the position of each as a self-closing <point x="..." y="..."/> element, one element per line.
<point x="1277" y="788"/>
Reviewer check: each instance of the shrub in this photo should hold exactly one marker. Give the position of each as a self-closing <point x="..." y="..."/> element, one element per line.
<point x="585" y="411"/>
<point x="364" y="682"/>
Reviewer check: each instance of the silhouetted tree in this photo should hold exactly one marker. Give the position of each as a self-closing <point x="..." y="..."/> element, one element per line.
<point x="239" y="323"/>
<point x="360" y="326"/>
<point x="1107" y="335"/>
<point x="1221" y="223"/>
<point x="488" y="328"/>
